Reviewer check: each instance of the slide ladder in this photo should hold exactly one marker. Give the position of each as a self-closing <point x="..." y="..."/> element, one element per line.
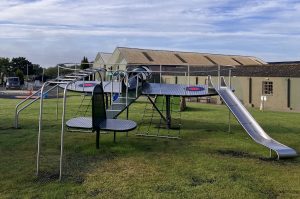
<point x="249" y="123"/>
<point x="125" y="96"/>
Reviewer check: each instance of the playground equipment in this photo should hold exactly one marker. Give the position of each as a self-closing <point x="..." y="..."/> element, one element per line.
<point x="128" y="86"/>
<point x="249" y="123"/>
<point x="136" y="80"/>
<point x="51" y="85"/>
<point x="153" y="124"/>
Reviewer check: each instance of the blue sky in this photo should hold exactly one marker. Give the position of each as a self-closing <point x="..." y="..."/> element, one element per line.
<point x="48" y="32"/>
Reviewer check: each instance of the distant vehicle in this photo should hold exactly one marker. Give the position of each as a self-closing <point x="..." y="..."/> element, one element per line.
<point x="13" y="83"/>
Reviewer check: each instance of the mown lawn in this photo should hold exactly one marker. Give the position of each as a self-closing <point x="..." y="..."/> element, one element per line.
<point x="208" y="162"/>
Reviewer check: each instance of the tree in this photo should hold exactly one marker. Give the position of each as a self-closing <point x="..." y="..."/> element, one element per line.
<point x="20" y="74"/>
<point x="51" y="72"/>
<point x="21" y="63"/>
<point x="4" y="65"/>
<point x="84" y="63"/>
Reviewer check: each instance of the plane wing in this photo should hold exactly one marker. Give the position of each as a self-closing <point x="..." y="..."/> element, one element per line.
<point x="147" y="88"/>
<point x="176" y="90"/>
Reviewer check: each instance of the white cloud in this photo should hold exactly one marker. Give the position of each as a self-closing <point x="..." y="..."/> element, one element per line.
<point x="162" y="24"/>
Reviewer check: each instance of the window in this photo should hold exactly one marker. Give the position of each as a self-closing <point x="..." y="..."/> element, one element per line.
<point x="147" y="56"/>
<point x="267" y="88"/>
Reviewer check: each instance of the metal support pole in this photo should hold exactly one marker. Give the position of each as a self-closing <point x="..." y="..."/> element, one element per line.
<point x="62" y="131"/>
<point x="114" y="136"/>
<point x="112" y="88"/>
<point x="57" y="93"/>
<point x="27" y="77"/>
<point x="40" y="130"/>
<point x="160" y="70"/>
<point x="155" y="107"/>
<point x="219" y="77"/>
<point x="229" y="79"/>
<point x="189" y="75"/>
<point x="137" y="86"/>
<point x="168" y="112"/>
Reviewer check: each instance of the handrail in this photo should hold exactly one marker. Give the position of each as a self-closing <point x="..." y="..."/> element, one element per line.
<point x="17" y="113"/>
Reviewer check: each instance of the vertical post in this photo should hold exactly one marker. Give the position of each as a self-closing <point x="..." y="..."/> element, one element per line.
<point x="229" y="79"/>
<point x="219" y="77"/>
<point x="185" y="78"/>
<point x="160" y="68"/>
<point x="168" y="112"/>
<point x="27" y="77"/>
<point x="229" y="113"/>
<point x="289" y="93"/>
<point x="137" y="86"/>
<point x="188" y="75"/>
<point x="250" y="91"/>
<point x="127" y="88"/>
<point x="57" y="93"/>
<point x="62" y="131"/>
<point x="112" y="87"/>
<point x="119" y="80"/>
<point x="40" y="131"/>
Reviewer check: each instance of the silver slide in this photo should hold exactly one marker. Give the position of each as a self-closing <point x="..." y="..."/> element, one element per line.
<point x="250" y="124"/>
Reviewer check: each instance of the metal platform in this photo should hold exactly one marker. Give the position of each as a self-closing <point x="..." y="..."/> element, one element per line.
<point x="147" y="88"/>
<point x="107" y="124"/>
<point x="88" y="86"/>
<point x="175" y="90"/>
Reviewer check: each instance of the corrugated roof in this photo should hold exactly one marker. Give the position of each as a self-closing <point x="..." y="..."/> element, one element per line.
<point x="164" y="57"/>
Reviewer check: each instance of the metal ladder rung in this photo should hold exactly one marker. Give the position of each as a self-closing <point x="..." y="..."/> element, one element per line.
<point x="127" y="97"/>
<point x="70" y="76"/>
<point x="78" y="74"/>
<point x="58" y="82"/>
<point x="66" y="79"/>
<point x="118" y="103"/>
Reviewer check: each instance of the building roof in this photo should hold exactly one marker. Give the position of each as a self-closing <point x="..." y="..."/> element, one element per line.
<point x="105" y="56"/>
<point x="269" y="70"/>
<point x="164" y="57"/>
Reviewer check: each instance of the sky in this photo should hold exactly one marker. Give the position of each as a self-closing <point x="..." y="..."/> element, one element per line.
<point x="48" y="32"/>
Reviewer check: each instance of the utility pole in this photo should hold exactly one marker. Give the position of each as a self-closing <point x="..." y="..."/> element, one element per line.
<point x="27" y="77"/>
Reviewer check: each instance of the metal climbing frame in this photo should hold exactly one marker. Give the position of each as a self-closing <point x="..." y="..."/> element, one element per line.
<point x="79" y="75"/>
<point x="53" y="84"/>
<point x="153" y="117"/>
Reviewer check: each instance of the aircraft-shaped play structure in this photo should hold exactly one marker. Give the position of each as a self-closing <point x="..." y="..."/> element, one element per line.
<point x="128" y="86"/>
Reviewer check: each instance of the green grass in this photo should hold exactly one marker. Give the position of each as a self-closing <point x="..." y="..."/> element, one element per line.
<point x="208" y="162"/>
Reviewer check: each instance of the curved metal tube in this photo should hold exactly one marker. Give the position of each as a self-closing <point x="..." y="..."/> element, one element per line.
<point x="17" y="112"/>
<point x="40" y="130"/>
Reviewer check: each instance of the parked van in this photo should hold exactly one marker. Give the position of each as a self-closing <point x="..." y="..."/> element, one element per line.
<point x="13" y="83"/>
